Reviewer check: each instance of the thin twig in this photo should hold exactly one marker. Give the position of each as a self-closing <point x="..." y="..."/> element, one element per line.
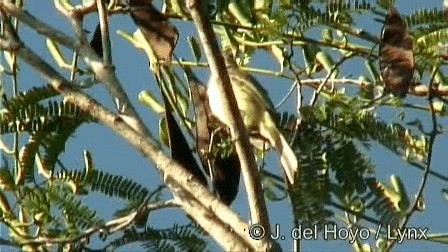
<point x="435" y="174"/>
<point x="300" y="41"/>
<point x="104" y="25"/>
<point x="297" y="244"/>
<point x="334" y="204"/>
<point x="12" y="31"/>
<point x="109" y="227"/>
<point x="74" y="66"/>
<point x="419" y="91"/>
<point x="4" y="147"/>
<point x="15" y="92"/>
<point x="432" y="138"/>
<point x="322" y="85"/>
<point x="357" y="214"/>
<point x="360" y="33"/>
<point x="287" y="95"/>
<point x="5" y="242"/>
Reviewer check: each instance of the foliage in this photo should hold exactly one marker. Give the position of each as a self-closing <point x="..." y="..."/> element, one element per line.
<point x="171" y="239"/>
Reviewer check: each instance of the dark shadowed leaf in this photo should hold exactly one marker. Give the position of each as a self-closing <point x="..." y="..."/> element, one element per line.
<point x="226" y="177"/>
<point x="96" y="42"/>
<point x="158" y="32"/>
<point x="195" y="48"/>
<point x="226" y="168"/>
<point x="180" y="150"/>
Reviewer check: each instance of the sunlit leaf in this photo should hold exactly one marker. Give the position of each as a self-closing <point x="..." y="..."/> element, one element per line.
<point x="57" y="54"/>
<point x="148" y="99"/>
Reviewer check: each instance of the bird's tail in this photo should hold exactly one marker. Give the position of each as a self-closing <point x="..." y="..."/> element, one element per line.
<point x="288" y="158"/>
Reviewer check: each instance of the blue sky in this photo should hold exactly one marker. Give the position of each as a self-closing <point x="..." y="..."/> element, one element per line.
<point x="114" y="155"/>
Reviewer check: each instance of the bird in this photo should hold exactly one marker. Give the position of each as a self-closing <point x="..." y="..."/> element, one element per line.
<point x="396" y="56"/>
<point x="256" y="111"/>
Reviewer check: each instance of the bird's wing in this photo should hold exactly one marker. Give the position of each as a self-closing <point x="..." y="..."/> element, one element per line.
<point x="242" y="78"/>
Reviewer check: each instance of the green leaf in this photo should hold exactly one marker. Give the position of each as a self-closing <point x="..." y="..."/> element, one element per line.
<point x="163" y="132"/>
<point x="65" y="4"/>
<point x="445" y="193"/>
<point x="327" y="62"/>
<point x="273" y="190"/>
<point x="309" y="52"/>
<point x="55" y="51"/>
<point x="176" y="7"/>
<point x="147" y="98"/>
<point x="327" y="35"/>
<point x="371" y="67"/>
<point x="6" y="179"/>
<point x="440" y="238"/>
<point x="401" y="190"/>
<point x="195" y="48"/>
<point x="242" y="11"/>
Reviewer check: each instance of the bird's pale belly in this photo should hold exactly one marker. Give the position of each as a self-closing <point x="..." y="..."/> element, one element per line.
<point x="250" y="113"/>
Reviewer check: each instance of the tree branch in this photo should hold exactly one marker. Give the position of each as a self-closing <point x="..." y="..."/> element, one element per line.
<point x="104" y="25"/>
<point x="228" y="229"/>
<point x="104" y="73"/>
<point x="110" y="227"/>
<point x="249" y="168"/>
<point x="432" y="139"/>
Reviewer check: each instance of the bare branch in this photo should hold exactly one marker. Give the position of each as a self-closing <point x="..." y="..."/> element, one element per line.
<point x="229" y="230"/>
<point x="103" y="73"/>
<point x="110" y="227"/>
<point x="104" y="24"/>
<point x="322" y="85"/>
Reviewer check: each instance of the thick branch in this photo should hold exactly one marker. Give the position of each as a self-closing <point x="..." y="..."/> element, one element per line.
<point x="104" y="73"/>
<point x="423" y="90"/>
<point x="231" y="236"/>
<point x="186" y="183"/>
<point x="249" y="169"/>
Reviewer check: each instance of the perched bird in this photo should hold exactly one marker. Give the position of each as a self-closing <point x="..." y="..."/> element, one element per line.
<point x="256" y="111"/>
<point x="396" y="56"/>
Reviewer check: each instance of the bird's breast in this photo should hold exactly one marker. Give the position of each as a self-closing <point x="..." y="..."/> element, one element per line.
<point x="214" y="99"/>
